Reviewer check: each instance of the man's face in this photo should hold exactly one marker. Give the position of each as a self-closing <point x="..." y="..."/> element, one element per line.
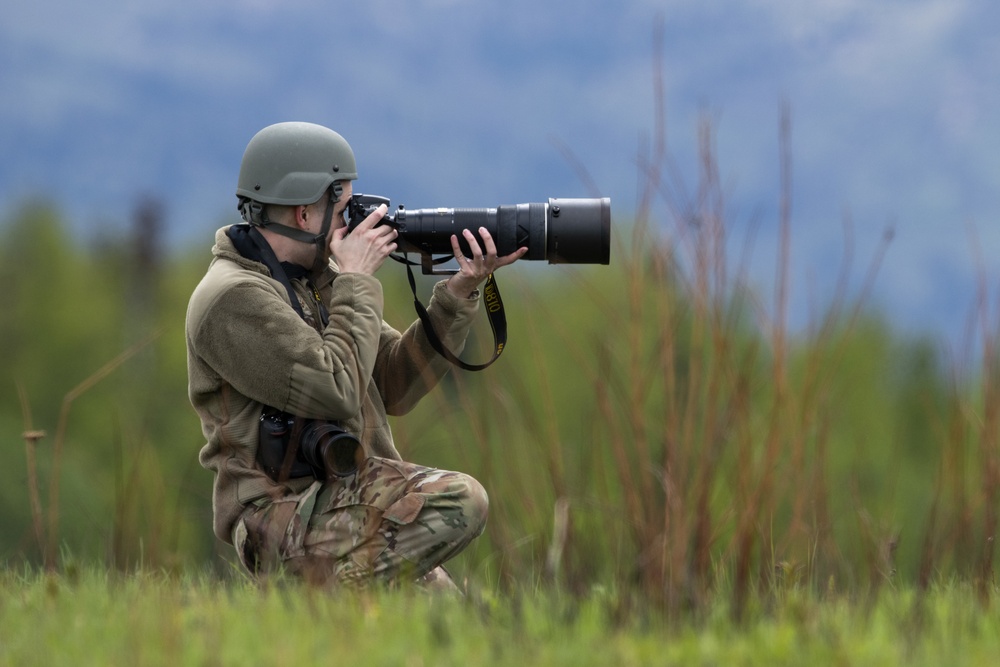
<point x="315" y="212"/>
<point x="314" y="221"/>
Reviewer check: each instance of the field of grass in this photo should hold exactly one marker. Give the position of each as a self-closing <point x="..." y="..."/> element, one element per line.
<point x="94" y="618"/>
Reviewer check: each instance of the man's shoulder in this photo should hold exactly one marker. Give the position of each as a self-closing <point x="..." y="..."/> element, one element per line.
<point x="225" y="271"/>
<point x="228" y="283"/>
<point x="228" y="268"/>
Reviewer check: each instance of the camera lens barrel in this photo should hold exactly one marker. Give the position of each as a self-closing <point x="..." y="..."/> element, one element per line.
<point x="328" y="448"/>
<point x="562" y="231"/>
<point x="579" y="231"/>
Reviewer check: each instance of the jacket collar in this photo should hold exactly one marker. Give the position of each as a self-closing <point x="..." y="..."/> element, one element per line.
<point x="224" y="249"/>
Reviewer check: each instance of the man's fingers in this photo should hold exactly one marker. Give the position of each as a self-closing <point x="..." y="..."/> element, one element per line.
<point x="482" y="262"/>
<point x="488" y="243"/>
<point x="457" y="249"/>
<point x="512" y="257"/>
<point x="373" y="218"/>
<point x="477" y="252"/>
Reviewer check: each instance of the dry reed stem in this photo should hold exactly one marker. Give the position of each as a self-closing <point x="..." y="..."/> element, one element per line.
<point x="72" y="395"/>
<point x="988" y="432"/>
<point x="31" y="440"/>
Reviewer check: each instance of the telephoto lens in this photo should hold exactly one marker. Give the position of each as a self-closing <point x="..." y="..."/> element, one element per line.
<point x="561" y="231"/>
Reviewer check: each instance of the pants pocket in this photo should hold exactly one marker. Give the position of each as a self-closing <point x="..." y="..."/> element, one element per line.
<point x="405" y="510"/>
<point x="275" y="531"/>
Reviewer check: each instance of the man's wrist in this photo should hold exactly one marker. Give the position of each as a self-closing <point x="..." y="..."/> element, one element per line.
<point x="462" y="291"/>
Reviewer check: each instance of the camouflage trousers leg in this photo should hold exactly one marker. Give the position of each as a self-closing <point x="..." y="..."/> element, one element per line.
<point x="389" y="521"/>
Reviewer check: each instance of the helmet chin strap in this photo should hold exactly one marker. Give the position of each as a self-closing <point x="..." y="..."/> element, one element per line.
<point x="255" y="213"/>
<point x="320" y="259"/>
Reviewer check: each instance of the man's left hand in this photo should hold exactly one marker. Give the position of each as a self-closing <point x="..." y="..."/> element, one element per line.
<point x="472" y="271"/>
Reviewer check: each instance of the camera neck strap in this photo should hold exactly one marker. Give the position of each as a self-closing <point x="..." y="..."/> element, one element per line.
<point x="250" y="243"/>
<point x="494" y="311"/>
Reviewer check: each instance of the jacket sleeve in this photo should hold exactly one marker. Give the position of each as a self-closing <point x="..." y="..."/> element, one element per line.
<point x="252" y="338"/>
<point x="407" y="367"/>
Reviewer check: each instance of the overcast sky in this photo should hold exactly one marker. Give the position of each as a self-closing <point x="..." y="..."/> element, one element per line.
<point x="894" y="110"/>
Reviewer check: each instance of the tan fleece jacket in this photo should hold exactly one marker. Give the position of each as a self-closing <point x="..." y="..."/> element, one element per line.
<point x="248" y="348"/>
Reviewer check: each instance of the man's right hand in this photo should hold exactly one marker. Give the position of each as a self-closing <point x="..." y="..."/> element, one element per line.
<point x="367" y="247"/>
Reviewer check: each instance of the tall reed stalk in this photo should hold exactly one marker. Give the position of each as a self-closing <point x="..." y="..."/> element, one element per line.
<point x="47" y="531"/>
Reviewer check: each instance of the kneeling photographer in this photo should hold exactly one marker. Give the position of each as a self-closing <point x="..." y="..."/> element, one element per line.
<point x="293" y="373"/>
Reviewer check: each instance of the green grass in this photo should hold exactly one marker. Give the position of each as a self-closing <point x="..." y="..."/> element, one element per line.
<point x="96" y="618"/>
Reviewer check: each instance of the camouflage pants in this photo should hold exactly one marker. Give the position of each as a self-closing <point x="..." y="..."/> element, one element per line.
<point x="390" y="520"/>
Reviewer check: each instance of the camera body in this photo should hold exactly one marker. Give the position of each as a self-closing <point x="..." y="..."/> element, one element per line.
<point x="291" y="447"/>
<point x="561" y="231"/>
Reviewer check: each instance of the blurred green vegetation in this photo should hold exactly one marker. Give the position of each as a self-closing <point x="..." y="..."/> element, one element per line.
<point x="128" y="485"/>
<point x="638" y="415"/>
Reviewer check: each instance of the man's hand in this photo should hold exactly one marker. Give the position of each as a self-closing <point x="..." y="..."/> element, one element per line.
<point x="367" y="247"/>
<point x="472" y="271"/>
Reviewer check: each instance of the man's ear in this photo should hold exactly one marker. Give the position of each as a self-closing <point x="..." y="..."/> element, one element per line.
<point x="301" y="216"/>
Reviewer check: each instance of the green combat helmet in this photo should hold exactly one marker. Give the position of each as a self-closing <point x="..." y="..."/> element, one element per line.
<point x="293" y="164"/>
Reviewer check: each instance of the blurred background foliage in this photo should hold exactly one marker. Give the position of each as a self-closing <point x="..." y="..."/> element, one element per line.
<point x="631" y="417"/>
